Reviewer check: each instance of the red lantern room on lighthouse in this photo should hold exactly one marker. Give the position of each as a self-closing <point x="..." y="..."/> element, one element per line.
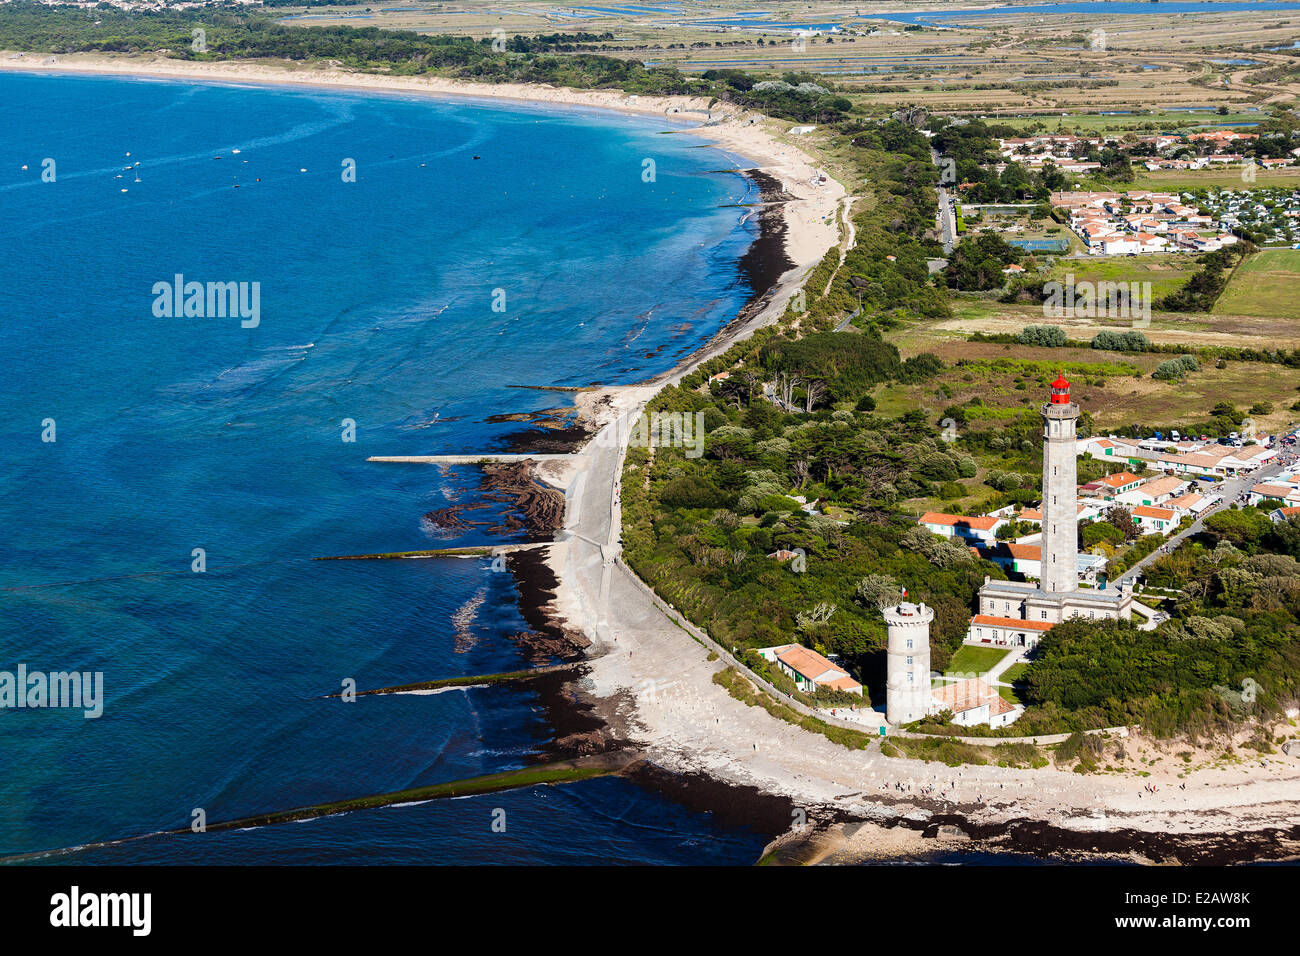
<point x="1060" y="390"/>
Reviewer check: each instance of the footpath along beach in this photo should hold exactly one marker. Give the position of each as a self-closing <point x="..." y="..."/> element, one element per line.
<point x="652" y="681"/>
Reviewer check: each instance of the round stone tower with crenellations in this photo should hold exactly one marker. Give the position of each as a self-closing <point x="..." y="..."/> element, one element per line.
<point x="907" y="681"/>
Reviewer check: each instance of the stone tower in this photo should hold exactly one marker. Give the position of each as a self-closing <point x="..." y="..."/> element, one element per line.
<point x="907" y="681"/>
<point x="1060" y="554"/>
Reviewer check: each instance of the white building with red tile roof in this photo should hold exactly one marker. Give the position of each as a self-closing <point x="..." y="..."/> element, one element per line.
<point x="1190" y="503"/>
<point x="1154" y="520"/>
<point x="973" y="701"/>
<point x="1153" y="491"/>
<point x="977" y="528"/>
<point x="809" y="669"/>
<point x="1282" y="491"/>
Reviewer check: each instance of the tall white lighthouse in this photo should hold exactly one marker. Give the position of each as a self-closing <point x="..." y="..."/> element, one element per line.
<point x="907" y="673"/>
<point x="1060" y="547"/>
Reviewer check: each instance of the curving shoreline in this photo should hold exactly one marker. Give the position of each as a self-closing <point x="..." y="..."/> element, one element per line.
<point x="661" y="695"/>
<point x="756" y="143"/>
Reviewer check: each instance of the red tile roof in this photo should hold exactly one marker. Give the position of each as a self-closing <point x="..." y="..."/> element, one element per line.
<point x="978" y="522"/>
<point x="992" y="621"/>
<point x="1028" y="552"/>
<point x="963" y="695"/>
<point x="1146" y="511"/>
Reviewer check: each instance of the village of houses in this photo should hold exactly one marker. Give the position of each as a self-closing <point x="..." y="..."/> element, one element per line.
<point x="1182" y="483"/>
<point x="1132" y="223"/>
<point x="1063" y="151"/>
<point x="1181" y="480"/>
<point x="1113" y="223"/>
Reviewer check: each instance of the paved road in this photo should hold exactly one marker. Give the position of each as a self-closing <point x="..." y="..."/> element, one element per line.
<point x="847" y="320"/>
<point x="1229" y="490"/>
<point x="945" y="217"/>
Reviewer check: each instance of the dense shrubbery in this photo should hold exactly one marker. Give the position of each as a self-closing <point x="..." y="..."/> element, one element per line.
<point x="1049" y="336"/>
<point x="976" y="264"/>
<point x="1238" y="624"/>
<point x="973" y="148"/>
<point x="1131" y="341"/>
<point x="796" y="97"/>
<point x="1175" y="369"/>
<point x="711" y="560"/>
<point x="848" y="362"/>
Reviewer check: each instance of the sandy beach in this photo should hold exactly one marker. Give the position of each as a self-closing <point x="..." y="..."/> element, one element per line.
<point x="762" y="142"/>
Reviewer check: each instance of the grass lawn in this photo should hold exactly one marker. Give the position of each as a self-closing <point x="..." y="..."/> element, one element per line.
<point x="1230" y="178"/>
<point x="1265" y="284"/>
<point x="1165" y="271"/>
<point x="1009" y="676"/>
<point x="971" y="659"/>
<point x="1014" y="673"/>
<point x="1094" y="123"/>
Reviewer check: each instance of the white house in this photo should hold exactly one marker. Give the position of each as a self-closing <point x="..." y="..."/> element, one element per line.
<point x="1153" y="492"/>
<point x="1192" y="503"/>
<point x="973" y="702"/>
<point x="1109" y="449"/>
<point x="1006" y="631"/>
<point x="1155" y="520"/>
<point x="809" y="669"/>
<point x="1110" y="486"/>
<point x="1281" y="491"/>
<point x="980" y="529"/>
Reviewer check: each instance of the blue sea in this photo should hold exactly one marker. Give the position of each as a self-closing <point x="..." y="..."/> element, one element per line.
<point x="480" y="248"/>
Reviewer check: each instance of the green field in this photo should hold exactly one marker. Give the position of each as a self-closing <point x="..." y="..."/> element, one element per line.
<point x="1165" y="271"/>
<point x="1157" y="120"/>
<point x="970" y="659"/>
<point x="1174" y="180"/>
<point x="1265" y="284"/>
